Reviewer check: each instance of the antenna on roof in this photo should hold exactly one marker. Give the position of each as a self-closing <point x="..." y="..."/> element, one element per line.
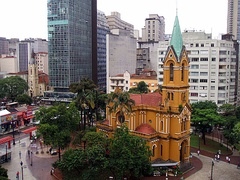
<point x="176" y="7"/>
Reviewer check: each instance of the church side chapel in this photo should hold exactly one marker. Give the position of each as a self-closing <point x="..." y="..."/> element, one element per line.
<point x="162" y="119"/>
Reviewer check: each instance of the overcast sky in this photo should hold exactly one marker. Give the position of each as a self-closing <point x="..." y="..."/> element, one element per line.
<point x="28" y="18"/>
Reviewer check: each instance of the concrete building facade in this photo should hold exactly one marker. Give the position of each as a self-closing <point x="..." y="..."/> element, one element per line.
<point x="154" y="29"/>
<point x="115" y="22"/>
<point x="8" y="64"/>
<point x="121" y="53"/>
<point x="213" y="68"/>
<point x="42" y="61"/>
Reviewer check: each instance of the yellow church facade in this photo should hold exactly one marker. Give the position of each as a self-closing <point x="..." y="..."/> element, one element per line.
<point x="162" y="119"/>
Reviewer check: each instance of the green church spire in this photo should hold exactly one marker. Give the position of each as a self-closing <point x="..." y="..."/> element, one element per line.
<point x="176" y="40"/>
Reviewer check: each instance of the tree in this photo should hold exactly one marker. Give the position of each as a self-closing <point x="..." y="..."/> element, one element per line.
<point x="3" y="173"/>
<point x="122" y="156"/>
<point x="204" y="116"/>
<point x="57" y="123"/>
<point x="236" y="132"/>
<point x="142" y="87"/>
<point x="85" y="101"/>
<point x="88" y="162"/>
<point x="129" y="155"/>
<point x="24" y="99"/>
<point x="121" y="102"/>
<point x="13" y="86"/>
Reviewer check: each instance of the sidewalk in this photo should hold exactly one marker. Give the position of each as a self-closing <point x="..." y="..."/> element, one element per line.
<point x="41" y="163"/>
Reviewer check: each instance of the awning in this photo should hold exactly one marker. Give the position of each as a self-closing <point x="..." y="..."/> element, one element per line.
<point x="29" y="117"/>
<point x="29" y="130"/>
<point x="6" y="139"/>
<point x="164" y="164"/>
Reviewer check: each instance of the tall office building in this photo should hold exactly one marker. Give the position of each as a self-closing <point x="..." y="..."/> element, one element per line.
<point x="102" y="31"/>
<point x="3" y="46"/>
<point x="154" y="29"/>
<point x="72" y="35"/>
<point x="233" y="18"/>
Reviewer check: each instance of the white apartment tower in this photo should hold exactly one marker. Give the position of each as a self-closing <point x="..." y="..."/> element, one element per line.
<point x="154" y="29"/>
<point x="233" y="18"/>
<point x="213" y="67"/>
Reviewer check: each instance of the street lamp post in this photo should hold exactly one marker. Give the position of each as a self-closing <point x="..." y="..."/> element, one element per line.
<point x="199" y="141"/>
<point x="21" y="163"/>
<point x="31" y="158"/>
<point x="212" y="170"/>
<point x="6" y="160"/>
<point x="13" y="126"/>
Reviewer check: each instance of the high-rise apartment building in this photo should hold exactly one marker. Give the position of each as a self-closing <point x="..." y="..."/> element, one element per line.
<point x="213" y="67"/>
<point x="102" y="31"/>
<point x="72" y="35"/>
<point x="3" y="46"/>
<point x="154" y="29"/>
<point x="233" y="18"/>
<point x="115" y="22"/>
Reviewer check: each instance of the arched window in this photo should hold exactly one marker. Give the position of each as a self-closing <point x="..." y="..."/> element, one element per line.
<point x="161" y="150"/>
<point x="182" y="72"/>
<point x="172" y="95"/>
<point x="153" y="150"/>
<point x="168" y="95"/>
<point x="171" y="72"/>
<point x="161" y="126"/>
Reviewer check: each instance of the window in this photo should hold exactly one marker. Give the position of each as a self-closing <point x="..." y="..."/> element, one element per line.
<point x="203" y="80"/>
<point x="194" y="94"/>
<point x="171" y="72"/>
<point x="153" y="150"/>
<point x="161" y="126"/>
<point x="197" y="45"/>
<point x="182" y="72"/>
<point x="203" y="73"/>
<point x="213" y="59"/>
<point x="212" y="80"/>
<point x="212" y="45"/>
<point x="195" y="59"/>
<point x="212" y="87"/>
<point x="203" y="59"/>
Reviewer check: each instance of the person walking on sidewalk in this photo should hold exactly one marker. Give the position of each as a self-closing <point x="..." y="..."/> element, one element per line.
<point x="198" y="152"/>
<point x="20" y="154"/>
<point x="229" y="160"/>
<point x="17" y="175"/>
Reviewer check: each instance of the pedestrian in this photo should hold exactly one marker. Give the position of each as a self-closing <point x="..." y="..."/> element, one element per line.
<point x="198" y="152"/>
<point x="215" y="157"/>
<point x="28" y="153"/>
<point x="229" y="160"/>
<point x="218" y="157"/>
<point x="17" y="175"/>
<point x="20" y="154"/>
<point x="52" y="170"/>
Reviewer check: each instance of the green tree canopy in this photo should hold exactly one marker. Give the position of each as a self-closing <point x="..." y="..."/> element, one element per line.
<point x="129" y="155"/>
<point x="87" y="163"/>
<point x="24" y="99"/>
<point x="122" y="156"/>
<point x="120" y="101"/>
<point x="204" y="116"/>
<point x="13" y="86"/>
<point x="141" y="88"/>
<point x="57" y="123"/>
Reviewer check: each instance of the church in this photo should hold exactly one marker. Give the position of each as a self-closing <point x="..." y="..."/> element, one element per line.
<point x="162" y="118"/>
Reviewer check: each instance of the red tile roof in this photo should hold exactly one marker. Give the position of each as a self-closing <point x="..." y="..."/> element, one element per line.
<point x="150" y="99"/>
<point x="145" y="128"/>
